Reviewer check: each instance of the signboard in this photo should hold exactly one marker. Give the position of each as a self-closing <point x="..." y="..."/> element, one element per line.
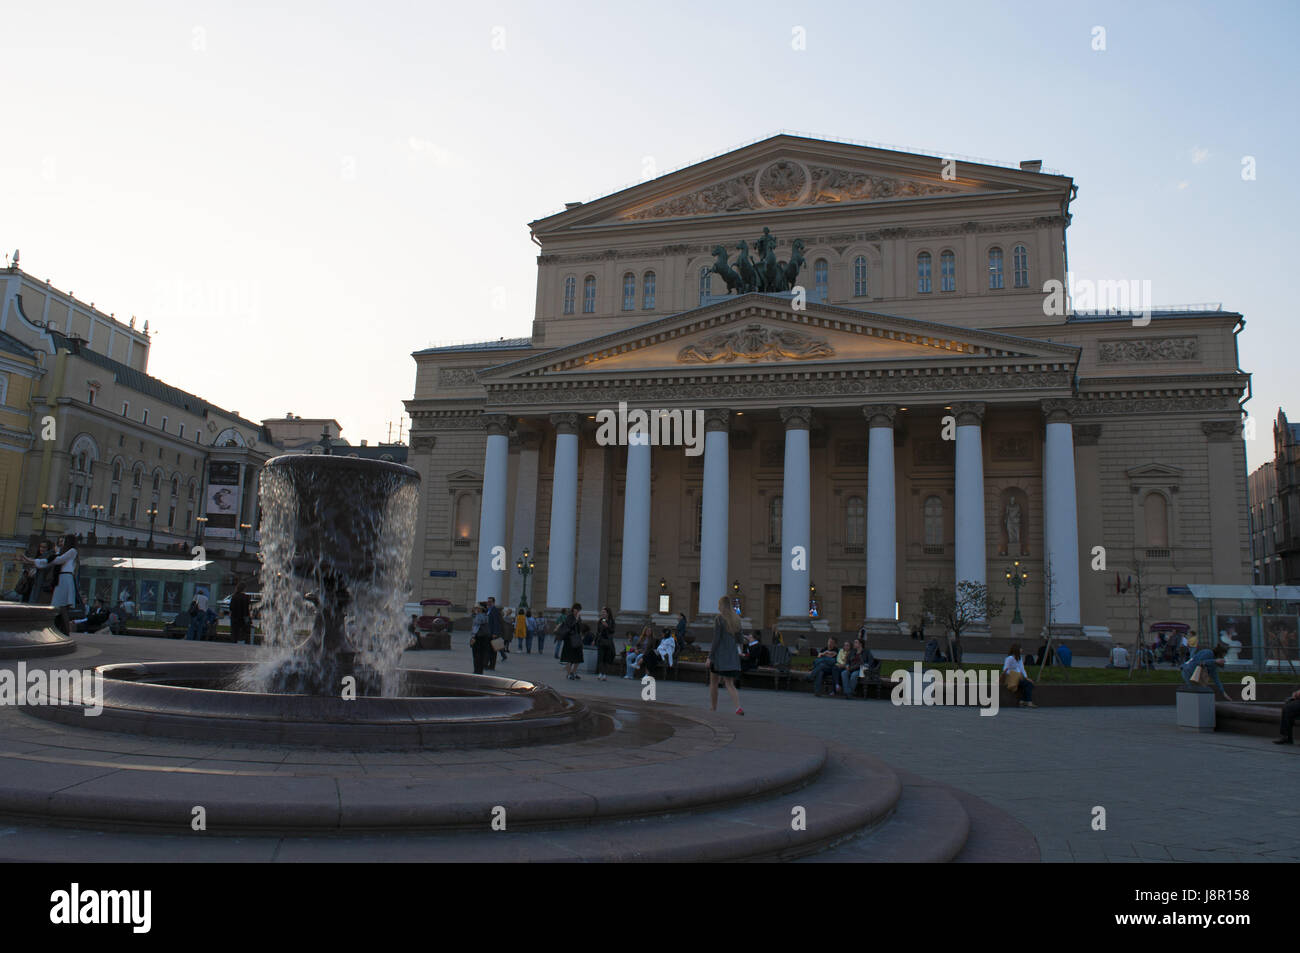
<point x="223" y="496"/>
<point x="1177" y="591"/>
<point x="443" y="573"/>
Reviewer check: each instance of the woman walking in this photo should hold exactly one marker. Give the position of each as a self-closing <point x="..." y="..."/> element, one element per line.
<point x="724" y="656"/>
<point x="521" y="629"/>
<point x="64" y="564"/>
<point x="571" y="654"/>
<point x="604" y="642"/>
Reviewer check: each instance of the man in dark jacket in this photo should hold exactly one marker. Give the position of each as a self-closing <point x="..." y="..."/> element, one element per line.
<point x="496" y="630"/>
<point x="241" y="616"/>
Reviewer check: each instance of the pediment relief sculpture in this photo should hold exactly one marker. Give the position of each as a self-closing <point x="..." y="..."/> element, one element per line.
<point x="786" y="183"/>
<point x="756" y="342"/>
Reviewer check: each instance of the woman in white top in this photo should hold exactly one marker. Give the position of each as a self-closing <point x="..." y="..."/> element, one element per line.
<point x="1024" y="687"/>
<point x="65" y="587"/>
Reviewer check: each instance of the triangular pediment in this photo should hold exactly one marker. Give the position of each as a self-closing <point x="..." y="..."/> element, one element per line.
<point x="1154" y="472"/>
<point x="787" y="173"/>
<point x="753" y="333"/>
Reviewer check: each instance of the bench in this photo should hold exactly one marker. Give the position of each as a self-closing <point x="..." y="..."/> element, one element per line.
<point x="1249" y="718"/>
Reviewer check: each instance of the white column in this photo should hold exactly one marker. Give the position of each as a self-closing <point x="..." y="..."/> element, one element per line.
<point x="635" y="579"/>
<point x="492" y="512"/>
<point x="1060" y="516"/>
<point x="525" y="521"/>
<point x="882" y="572"/>
<point x="713" y="531"/>
<point x="796" y="515"/>
<point x="564" y="514"/>
<point x="971" y="549"/>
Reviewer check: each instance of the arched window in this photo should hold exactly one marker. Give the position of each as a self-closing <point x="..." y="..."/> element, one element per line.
<point x="176" y="486"/>
<point x="706" y="283"/>
<point x="822" y="278"/>
<point x="117" y="471"/>
<point x="589" y="295"/>
<point x="933" y="521"/>
<point x="855" y="524"/>
<point x="923" y="273"/>
<point x="1156" y="512"/>
<point x="947" y="271"/>
<point x="570" y="292"/>
<point x="648" y="291"/>
<point x="190" y="495"/>
<point x="157" y="481"/>
<point x="1020" y="265"/>
<point x="136" y="477"/>
<point x="860" y="276"/>
<point x="774" y="524"/>
<point x="995" y="269"/>
<point x="629" y="291"/>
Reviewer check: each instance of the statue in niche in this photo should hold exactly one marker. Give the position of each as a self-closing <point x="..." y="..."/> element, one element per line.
<point x="1012" y="520"/>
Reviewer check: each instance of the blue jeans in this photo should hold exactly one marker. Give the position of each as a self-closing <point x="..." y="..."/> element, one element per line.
<point x="823" y="669"/>
<point x="558" y="645"/>
<point x="633" y="660"/>
<point x="195" y="631"/>
<point x="849" y="680"/>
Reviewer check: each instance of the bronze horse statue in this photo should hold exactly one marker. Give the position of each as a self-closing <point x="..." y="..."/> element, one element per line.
<point x="720" y="267"/>
<point x="790" y="270"/>
<point x="748" y="274"/>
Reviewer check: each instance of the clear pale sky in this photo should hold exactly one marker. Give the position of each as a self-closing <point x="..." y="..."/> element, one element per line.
<point x="298" y="198"/>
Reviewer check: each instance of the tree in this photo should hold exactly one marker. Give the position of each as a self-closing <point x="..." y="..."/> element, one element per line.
<point x="959" y="609"/>
<point x="1136" y="584"/>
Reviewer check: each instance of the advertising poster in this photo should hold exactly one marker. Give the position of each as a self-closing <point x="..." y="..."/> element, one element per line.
<point x="223" y="496"/>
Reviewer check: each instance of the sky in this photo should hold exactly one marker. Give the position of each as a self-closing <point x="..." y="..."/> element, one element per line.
<point x="297" y="198"/>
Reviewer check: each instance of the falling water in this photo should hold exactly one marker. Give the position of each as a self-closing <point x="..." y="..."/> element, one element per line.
<point x="334" y="524"/>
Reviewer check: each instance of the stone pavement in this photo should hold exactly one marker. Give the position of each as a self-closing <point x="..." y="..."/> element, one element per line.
<point x="1168" y="794"/>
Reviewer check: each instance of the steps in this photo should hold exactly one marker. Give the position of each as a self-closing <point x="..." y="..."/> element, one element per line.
<point x="672" y="785"/>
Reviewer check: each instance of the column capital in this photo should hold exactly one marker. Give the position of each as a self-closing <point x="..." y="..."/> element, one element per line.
<point x="969" y="412"/>
<point x="797" y="418"/>
<point x="1057" y="410"/>
<point x="1219" y="431"/>
<point x="1086" y="435"/>
<point x="880" y="415"/>
<point x="565" y="423"/>
<point x="717" y="418"/>
<point x="496" y="424"/>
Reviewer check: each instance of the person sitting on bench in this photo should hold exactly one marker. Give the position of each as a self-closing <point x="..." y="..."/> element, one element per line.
<point x="1290" y="711"/>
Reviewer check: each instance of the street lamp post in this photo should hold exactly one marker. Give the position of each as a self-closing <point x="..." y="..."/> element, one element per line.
<point x="525" y="565"/>
<point x="199" y="523"/>
<point x="96" y="509"/>
<point x="152" y="513"/>
<point x="45" y="515"/>
<point x="1017" y="577"/>
<point x="243" y="535"/>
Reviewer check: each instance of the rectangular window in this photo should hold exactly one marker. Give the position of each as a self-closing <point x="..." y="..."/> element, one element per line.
<point x="90" y="397"/>
<point x="135" y="505"/>
<point x="4" y="388"/>
<point x="182" y="432"/>
<point x="947" y="272"/>
<point x="144" y="416"/>
<point x="163" y="425"/>
<point x="126" y="408"/>
<point x="171" y="517"/>
<point x="112" y="505"/>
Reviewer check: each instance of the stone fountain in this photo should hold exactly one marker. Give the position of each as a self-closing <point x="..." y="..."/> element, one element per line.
<point x="337" y="535"/>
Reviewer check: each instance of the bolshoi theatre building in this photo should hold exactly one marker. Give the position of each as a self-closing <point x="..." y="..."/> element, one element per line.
<point x="865" y="386"/>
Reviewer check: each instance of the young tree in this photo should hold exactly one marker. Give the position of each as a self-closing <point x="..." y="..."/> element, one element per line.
<point x="958" y="609"/>
<point x="1049" y="591"/>
<point x="1138" y="586"/>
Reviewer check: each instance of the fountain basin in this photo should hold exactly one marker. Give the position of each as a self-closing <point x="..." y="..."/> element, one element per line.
<point x="434" y="710"/>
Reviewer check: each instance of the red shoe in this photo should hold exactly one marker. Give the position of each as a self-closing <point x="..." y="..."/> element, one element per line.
<point x="740" y="711"/>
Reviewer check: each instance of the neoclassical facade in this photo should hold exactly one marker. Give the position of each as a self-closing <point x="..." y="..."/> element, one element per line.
<point x="915" y="413"/>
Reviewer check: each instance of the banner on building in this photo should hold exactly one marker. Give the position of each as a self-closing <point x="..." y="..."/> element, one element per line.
<point x="223" y="496"/>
